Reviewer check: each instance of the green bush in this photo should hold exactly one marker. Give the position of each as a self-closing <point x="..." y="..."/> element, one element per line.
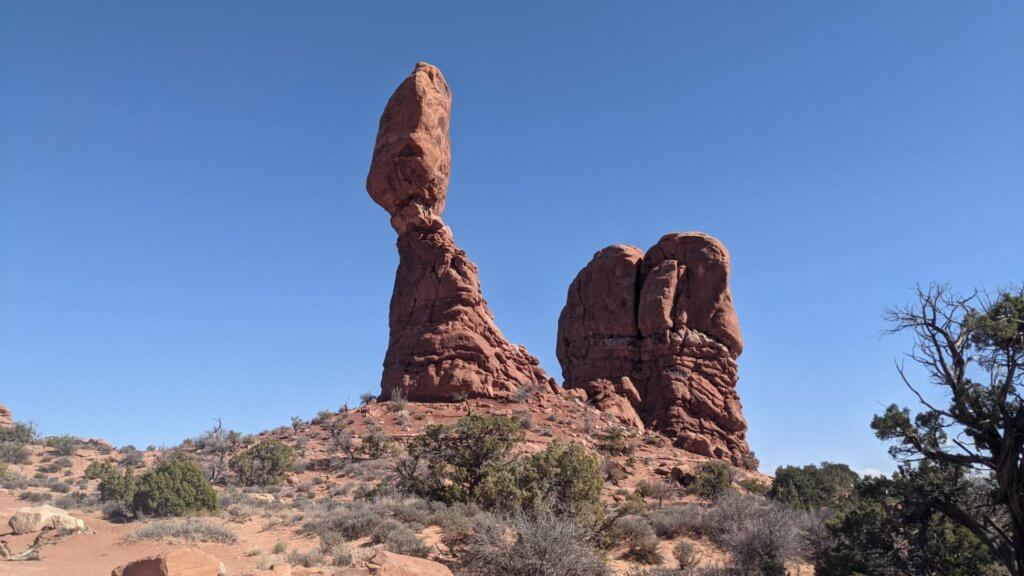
<point x="812" y="487"/>
<point x="173" y="488"/>
<point x="99" y="470"/>
<point x="713" y="479"/>
<point x="564" y="475"/>
<point x="459" y="458"/>
<point x="264" y="464"/>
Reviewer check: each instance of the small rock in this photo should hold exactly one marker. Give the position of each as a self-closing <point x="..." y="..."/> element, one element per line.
<point x="386" y="563"/>
<point x="684" y="477"/>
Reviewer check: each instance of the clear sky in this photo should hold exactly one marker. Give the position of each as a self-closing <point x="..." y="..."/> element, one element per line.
<point x="185" y="234"/>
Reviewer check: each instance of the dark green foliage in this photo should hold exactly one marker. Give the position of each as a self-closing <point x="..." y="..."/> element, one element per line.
<point x="564" y="475"/>
<point x="376" y="444"/>
<point x="131" y="457"/>
<point x="713" y="479"/>
<point x="972" y="349"/>
<point x="473" y="461"/>
<point x="890" y="529"/>
<point x="459" y="458"/>
<point x="812" y="487"/>
<point x="116" y="493"/>
<point x="173" y="488"/>
<point x="99" y="470"/>
<point x="265" y="464"/>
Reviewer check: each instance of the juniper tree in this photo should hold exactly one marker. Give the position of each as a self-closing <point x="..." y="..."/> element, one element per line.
<point x="972" y="348"/>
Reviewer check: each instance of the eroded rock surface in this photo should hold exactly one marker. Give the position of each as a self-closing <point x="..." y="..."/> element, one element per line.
<point x="186" y="561"/>
<point x="6" y="418"/>
<point x="443" y="340"/>
<point x="663" y="322"/>
<point x="36" y="518"/>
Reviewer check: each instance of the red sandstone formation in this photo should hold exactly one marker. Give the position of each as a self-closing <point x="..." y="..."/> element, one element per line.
<point x="443" y="341"/>
<point x="657" y="333"/>
<point x="5" y="416"/>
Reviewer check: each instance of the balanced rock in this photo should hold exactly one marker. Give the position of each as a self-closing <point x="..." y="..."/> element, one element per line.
<point x="443" y="340"/>
<point x="187" y="561"/>
<point x="6" y="418"/>
<point x="658" y="330"/>
<point x="37" y="518"/>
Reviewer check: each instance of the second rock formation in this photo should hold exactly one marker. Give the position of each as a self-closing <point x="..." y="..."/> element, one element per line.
<point x="654" y="338"/>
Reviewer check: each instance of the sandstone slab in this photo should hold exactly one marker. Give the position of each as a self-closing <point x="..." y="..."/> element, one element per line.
<point x="186" y="561"/>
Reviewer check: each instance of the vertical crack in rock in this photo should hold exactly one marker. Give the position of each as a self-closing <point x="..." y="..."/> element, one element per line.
<point x="443" y="340"/>
<point x="654" y="338"/>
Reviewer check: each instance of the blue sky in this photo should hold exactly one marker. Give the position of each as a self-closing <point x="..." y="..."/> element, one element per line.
<point x="184" y="231"/>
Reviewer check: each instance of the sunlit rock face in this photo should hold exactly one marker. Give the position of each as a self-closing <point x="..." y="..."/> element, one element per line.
<point x="662" y="325"/>
<point x="443" y="341"/>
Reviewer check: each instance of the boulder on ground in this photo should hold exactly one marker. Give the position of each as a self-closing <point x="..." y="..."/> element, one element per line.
<point x="178" y="562"/>
<point x="386" y="563"/>
<point x="36" y="518"/>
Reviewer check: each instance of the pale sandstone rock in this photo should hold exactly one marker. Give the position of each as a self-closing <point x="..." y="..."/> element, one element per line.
<point x="6" y="418"/>
<point x="37" y="518"/>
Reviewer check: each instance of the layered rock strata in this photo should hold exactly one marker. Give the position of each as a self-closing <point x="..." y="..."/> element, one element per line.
<point x="443" y="341"/>
<point x="654" y="337"/>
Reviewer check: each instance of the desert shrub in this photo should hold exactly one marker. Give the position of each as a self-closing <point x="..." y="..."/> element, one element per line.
<point x="760" y="535"/>
<point x="266" y="463"/>
<point x="77" y="501"/>
<point x="376" y="444"/>
<point x="214" y="448"/>
<point x="459" y="458"/>
<point x="131" y="457"/>
<point x="564" y="475"/>
<point x="59" y="487"/>
<point x="309" y="559"/>
<point x="99" y="470"/>
<point x="35" y="497"/>
<point x="279" y="548"/>
<point x="400" y="539"/>
<point x="673" y="521"/>
<point x="173" y="488"/>
<point x="399" y="399"/>
<point x="14" y="452"/>
<point x="639" y="537"/>
<point x="63" y="445"/>
<point x="685" y="554"/>
<point x="298" y="423"/>
<point x="3" y="470"/>
<point x="20" y="432"/>
<point x="541" y="543"/>
<point x="812" y="487"/>
<point x="613" y="442"/>
<point x="713" y="479"/>
<point x="755" y="486"/>
<point x="367" y="398"/>
<point x="190" y="529"/>
<point x="117" y="487"/>
<point x="655" y="490"/>
<point x="613" y="471"/>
